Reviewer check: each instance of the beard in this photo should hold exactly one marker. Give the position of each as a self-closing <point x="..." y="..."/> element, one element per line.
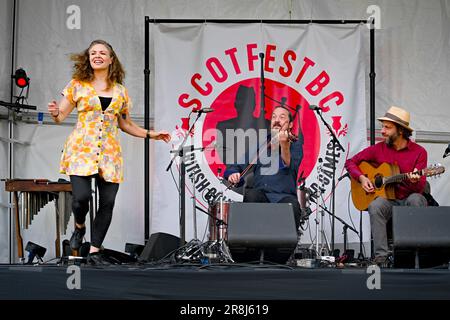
<point x="391" y="139"/>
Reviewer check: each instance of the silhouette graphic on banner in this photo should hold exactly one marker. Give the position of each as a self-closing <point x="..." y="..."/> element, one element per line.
<point x="244" y="104"/>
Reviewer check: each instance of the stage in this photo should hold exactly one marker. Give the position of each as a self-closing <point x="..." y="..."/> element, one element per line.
<point x="220" y="282"/>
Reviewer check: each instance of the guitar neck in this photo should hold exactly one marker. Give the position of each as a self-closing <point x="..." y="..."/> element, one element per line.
<point x="400" y="177"/>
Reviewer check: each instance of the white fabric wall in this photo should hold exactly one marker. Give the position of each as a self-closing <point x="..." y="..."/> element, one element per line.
<point x="4" y="215"/>
<point x="412" y="68"/>
<point x="5" y="46"/>
<point x="5" y="71"/>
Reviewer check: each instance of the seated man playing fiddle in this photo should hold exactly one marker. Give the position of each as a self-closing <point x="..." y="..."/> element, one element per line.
<point x="278" y="186"/>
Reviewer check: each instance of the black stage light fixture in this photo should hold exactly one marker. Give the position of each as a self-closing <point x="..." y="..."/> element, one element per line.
<point x="21" y="79"/>
<point x="35" y="250"/>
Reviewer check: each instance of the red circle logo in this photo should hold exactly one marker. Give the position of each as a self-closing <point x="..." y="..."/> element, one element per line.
<point x="228" y="108"/>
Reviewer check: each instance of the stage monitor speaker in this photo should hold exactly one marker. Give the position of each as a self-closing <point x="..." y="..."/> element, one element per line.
<point x="158" y="246"/>
<point x="421" y="227"/>
<point x="421" y="236"/>
<point x="261" y="231"/>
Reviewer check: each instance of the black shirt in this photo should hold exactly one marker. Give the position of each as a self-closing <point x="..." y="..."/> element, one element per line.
<point x="105" y="101"/>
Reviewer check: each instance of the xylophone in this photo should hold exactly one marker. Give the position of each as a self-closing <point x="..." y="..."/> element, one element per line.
<point x="31" y="195"/>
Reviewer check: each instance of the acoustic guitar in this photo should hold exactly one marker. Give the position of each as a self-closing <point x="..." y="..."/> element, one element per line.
<point x="383" y="179"/>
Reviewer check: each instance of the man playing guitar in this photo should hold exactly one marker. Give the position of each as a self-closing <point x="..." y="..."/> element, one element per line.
<point x="396" y="149"/>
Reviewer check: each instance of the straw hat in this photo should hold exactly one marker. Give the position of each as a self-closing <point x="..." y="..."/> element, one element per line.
<point x="397" y="115"/>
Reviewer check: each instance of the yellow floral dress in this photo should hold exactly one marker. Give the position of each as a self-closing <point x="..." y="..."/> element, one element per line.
<point x="93" y="146"/>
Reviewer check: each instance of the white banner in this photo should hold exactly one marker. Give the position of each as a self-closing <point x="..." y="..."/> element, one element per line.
<point x="218" y="66"/>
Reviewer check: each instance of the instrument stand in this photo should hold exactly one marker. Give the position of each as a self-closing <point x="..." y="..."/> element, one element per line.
<point x="219" y="248"/>
<point x="361" y="256"/>
<point x="321" y="248"/>
<point x="194" y="208"/>
<point x="222" y="247"/>
<point x="335" y="142"/>
<point x="345" y="227"/>
<point x="209" y="252"/>
<point x="213" y="250"/>
<point x="194" y="249"/>
<point x="324" y="249"/>
<point x="181" y="153"/>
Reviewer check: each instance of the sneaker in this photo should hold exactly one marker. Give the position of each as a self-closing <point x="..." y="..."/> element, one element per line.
<point x="97" y="259"/>
<point x="77" y="238"/>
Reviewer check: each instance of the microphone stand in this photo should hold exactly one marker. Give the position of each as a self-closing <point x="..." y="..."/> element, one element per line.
<point x="346" y="226"/>
<point x="335" y="142"/>
<point x="16" y="106"/>
<point x="263" y="94"/>
<point x="181" y="152"/>
<point x="263" y="88"/>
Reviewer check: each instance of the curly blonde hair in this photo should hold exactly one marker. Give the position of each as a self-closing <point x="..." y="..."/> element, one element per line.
<point x="83" y="71"/>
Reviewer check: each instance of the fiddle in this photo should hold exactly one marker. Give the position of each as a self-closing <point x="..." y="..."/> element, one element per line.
<point x="291" y="137"/>
<point x="275" y="139"/>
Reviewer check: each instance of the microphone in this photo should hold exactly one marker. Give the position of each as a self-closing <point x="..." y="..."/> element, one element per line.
<point x="313" y="107"/>
<point x="447" y="152"/>
<point x="344" y="176"/>
<point x="203" y="110"/>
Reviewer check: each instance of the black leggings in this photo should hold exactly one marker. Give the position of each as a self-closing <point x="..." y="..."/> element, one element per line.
<point x="82" y="192"/>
